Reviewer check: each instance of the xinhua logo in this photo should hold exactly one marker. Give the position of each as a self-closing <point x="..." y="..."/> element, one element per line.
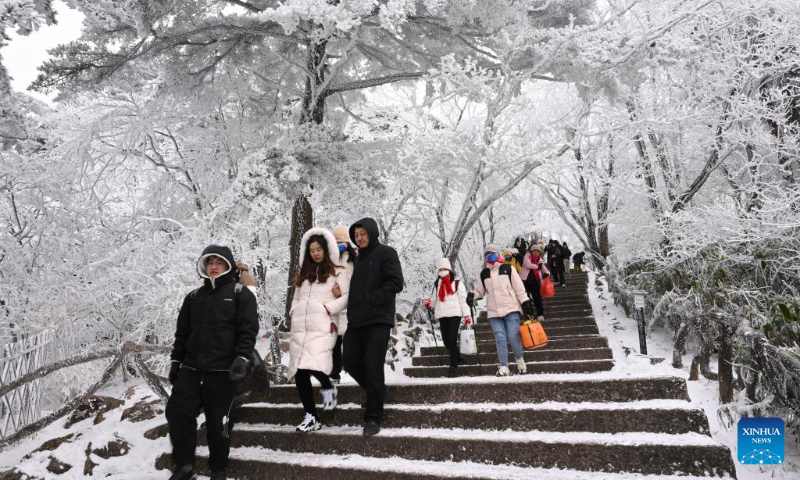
<point x="760" y="441"/>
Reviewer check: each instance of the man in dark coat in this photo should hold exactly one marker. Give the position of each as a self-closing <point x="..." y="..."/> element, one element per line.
<point x="216" y="333"/>
<point x="377" y="279"/>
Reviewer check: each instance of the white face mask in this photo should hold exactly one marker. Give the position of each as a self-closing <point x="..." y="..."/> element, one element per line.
<point x="443" y="273"/>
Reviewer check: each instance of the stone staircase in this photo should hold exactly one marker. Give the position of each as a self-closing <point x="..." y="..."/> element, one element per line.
<point x="581" y="425"/>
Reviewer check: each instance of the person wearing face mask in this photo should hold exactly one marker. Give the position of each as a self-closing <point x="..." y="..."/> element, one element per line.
<point x="449" y="307"/>
<point x="314" y="329"/>
<point x="506" y="299"/>
<point x="510" y="259"/>
<point x="347" y="256"/>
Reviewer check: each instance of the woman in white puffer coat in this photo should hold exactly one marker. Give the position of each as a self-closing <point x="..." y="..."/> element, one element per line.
<point x="314" y="328"/>
<point x="450" y="306"/>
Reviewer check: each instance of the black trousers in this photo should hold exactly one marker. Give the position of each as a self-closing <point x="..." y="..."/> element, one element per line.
<point x="534" y="288"/>
<point x="553" y="267"/>
<point x="449" y="328"/>
<point x="302" y="380"/>
<point x="336" y="372"/>
<point x="363" y="357"/>
<point x="193" y="390"/>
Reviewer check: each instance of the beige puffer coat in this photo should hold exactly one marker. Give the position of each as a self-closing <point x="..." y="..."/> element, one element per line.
<point x="312" y="342"/>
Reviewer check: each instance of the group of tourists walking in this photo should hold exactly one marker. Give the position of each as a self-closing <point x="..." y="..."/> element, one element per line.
<point x="342" y="313"/>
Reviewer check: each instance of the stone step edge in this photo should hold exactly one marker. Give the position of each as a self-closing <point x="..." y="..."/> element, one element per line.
<point x="374" y="466"/>
<point x="511" y="363"/>
<point x="505" y="436"/>
<point x="661" y="404"/>
<point x="468" y="355"/>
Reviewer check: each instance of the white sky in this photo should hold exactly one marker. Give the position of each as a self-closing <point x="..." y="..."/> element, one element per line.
<point x="23" y="54"/>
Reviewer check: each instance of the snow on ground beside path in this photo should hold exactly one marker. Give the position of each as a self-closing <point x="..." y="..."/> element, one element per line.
<point x="137" y="464"/>
<point x="623" y="338"/>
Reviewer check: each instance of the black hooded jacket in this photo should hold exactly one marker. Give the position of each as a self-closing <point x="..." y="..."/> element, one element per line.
<point x="377" y="279"/>
<point x="215" y="324"/>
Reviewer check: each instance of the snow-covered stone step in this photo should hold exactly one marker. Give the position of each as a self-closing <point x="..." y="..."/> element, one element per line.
<point x="637" y="452"/>
<point x="489" y="356"/>
<point x="521" y="388"/>
<point x="566" y="366"/>
<point x="249" y="463"/>
<point x="554" y="343"/>
<point x="571" y="310"/>
<point x="658" y="416"/>
<point x="554" y="331"/>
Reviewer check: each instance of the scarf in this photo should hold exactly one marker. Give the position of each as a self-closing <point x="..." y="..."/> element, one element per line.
<point x="445" y="288"/>
<point x="535" y="259"/>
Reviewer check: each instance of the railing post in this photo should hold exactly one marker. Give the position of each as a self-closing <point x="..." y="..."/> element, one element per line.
<point x="638" y="301"/>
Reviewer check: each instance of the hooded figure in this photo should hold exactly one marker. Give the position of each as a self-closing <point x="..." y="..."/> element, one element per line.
<point x="314" y="307"/>
<point x="214" y="338"/>
<point x="377" y="279"/>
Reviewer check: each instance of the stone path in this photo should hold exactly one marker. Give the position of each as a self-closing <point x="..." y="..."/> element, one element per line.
<point x="568" y="412"/>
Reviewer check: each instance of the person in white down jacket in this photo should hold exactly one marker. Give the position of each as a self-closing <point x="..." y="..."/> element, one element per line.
<point x="449" y="305"/>
<point x="314" y="328"/>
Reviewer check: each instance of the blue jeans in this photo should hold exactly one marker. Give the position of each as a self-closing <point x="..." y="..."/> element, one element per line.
<point x="506" y="329"/>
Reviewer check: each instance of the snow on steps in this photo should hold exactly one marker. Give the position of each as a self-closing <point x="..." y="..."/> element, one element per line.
<point x="261" y="463"/>
<point x="639" y="452"/>
<point x="671" y="416"/>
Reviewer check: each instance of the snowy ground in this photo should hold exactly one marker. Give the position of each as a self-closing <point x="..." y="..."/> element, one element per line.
<point x="623" y="338"/>
<point x="620" y="330"/>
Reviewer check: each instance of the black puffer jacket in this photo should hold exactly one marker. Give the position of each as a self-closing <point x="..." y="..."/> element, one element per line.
<point x="216" y="324"/>
<point x="377" y="279"/>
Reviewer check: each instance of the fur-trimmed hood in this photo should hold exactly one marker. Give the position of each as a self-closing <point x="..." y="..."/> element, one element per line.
<point x="224" y="253"/>
<point x="333" y="248"/>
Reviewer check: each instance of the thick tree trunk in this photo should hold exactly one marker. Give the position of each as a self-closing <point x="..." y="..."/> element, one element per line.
<point x="725" y="365"/>
<point x="302" y="220"/>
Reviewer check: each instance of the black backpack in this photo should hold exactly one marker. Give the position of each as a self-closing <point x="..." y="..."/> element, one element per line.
<point x="505" y="269"/>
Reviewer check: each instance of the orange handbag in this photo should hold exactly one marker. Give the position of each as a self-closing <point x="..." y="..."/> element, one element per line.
<point x="548" y="288"/>
<point x="533" y="335"/>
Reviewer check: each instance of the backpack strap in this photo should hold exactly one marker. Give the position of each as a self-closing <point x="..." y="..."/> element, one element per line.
<point x="505" y="269"/>
<point x="484" y="275"/>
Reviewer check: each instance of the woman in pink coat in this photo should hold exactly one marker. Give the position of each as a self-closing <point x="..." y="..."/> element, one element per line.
<point x="533" y="272"/>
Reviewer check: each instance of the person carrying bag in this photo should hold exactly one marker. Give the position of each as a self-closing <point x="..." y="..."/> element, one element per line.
<point x="450" y="306"/>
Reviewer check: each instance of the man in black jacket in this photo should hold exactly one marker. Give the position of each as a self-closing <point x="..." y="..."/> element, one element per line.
<point x="377" y="279"/>
<point x="216" y="333"/>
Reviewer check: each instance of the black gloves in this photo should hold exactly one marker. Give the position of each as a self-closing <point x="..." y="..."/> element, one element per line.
<point x="173" y="371"/>
<point x="471" y="299"/>
<point x="527" y="309"/>
<point x="238" y="369"/>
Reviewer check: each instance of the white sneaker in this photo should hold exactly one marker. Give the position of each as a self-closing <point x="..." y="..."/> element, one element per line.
<point x="309" y="424"/>
<point x="329" y="398"/>
<point x="540" y="319"/>
<point x="521" y="367"/>
<point x="503" y="371"/>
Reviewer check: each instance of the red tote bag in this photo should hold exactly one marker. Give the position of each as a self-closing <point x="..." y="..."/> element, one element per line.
<point x="548" y="288"/>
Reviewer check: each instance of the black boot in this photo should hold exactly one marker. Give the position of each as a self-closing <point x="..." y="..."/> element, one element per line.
<point x="371" y="428"/>
<point x="185" y="472"/>
<point x="453" y="372"/>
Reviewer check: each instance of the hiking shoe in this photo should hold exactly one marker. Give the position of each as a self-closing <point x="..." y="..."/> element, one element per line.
<point x="462" y="360"/>
<point x="503" y="371"/>
<point x="453" y="372"/>
<point x="185" y="472"/>
<point x="219" y="475"/>
<point x="329" y="398"/>
<point x="521" y="367"/>
<point x="309" y="424"/>
<point x="371" y="428"/>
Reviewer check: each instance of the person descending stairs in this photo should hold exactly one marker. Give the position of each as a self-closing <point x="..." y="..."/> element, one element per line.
<point x="567" y="417"/>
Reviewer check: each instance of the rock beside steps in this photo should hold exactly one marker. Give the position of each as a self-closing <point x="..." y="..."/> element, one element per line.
<point x="525" y="426"/>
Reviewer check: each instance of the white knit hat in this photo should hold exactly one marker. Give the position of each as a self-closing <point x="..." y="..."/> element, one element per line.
<point x="443" y="263"/>
<point x="491" y="248"/>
